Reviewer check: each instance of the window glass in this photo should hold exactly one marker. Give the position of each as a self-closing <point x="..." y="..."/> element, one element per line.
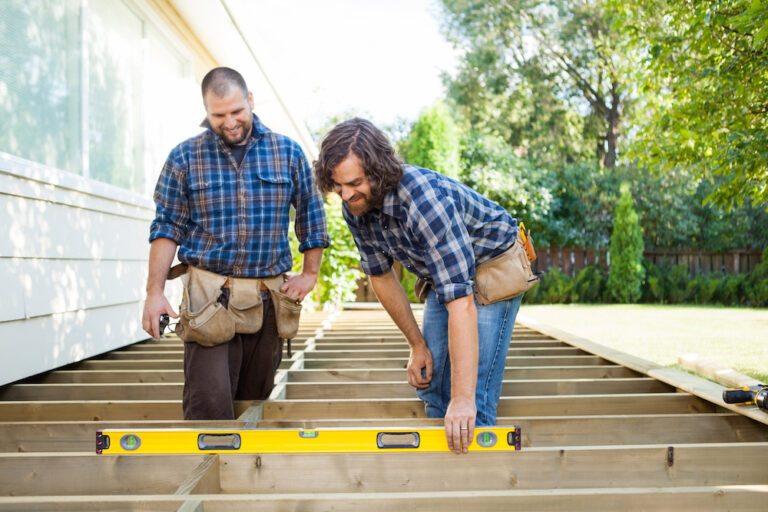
<point x="174" y="105"/>
<point x="40" y="81"/>
<point x="115" y="103"/>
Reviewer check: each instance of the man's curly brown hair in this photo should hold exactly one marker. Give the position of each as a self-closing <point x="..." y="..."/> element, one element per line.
<point x="383" y="168"/>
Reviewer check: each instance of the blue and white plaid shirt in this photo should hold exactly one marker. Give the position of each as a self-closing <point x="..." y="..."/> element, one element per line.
<point x="233" y="220"/>
<point x="436" y="227"/>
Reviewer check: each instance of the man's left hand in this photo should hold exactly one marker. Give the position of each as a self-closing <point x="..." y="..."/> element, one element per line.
<point x="298" y="286"/>
<point x="460" y="424"/>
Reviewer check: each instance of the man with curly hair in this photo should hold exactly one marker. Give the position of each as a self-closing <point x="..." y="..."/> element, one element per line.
<point x="439" y="230"/>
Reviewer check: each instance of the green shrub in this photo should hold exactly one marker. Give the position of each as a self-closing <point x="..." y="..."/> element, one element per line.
<point x="701" y="289"/>
<point x="588" y="285"/>
<point x="756" y="284"/>
<point x="554" y="288"/>
<point x="626" y="273"/>
<point x="730" y="290"/>
<point x="654" y="287"/>
<point x="407" y="281"/>
<point x="337" y="281"/>
<point x="676" y="284"/>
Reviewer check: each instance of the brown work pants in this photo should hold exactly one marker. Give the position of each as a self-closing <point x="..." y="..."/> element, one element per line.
<point x="241" y="369"/>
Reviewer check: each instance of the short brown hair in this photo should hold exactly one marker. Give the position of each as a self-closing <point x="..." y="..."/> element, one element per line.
<point x="383" y="168"/>
<point x="220" y="80"/>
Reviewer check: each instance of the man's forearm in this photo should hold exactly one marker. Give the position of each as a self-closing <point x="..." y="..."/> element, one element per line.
<point x="312" y="260"/>
<point x="463" y="346"/>
<point x="161" y="253"/>
<point x="392" y="296"/>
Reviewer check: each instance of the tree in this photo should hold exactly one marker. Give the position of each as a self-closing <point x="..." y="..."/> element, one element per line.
<point x="626" y="273"/>
<point x="545" y="76"/>
<point x="339" y="270"/>
<point x="433" y="142"/>
<point x="704" y="86"/>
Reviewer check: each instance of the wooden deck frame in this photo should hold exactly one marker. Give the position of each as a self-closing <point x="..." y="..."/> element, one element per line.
<point x="599" y="431"/>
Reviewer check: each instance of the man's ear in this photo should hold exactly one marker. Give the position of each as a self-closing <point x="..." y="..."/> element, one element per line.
<point x="250" y="100"/>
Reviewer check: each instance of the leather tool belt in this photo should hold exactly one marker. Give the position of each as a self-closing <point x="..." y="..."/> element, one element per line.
<point x="502" y="277"/>
<point x="214" y="307"/>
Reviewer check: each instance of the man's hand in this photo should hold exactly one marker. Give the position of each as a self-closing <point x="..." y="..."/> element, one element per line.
<point x="460" y="424"/>
<point x="155" y="305"/>
<point x="298" y="286"/>
<point x="420" y="359"/>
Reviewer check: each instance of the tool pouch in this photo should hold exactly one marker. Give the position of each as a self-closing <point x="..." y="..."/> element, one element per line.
<point x="202" y="316"/>
<point x="287" y="313"/>
<point x="505" y="276"/>
<point x="245" y="304"/>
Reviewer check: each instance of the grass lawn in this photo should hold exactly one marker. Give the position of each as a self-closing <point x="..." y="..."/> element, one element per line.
<point x="733" y="337"/>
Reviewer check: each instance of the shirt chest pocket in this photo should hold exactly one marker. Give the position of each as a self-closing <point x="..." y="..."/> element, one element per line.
<point x="206" y="195"/>
<point x="273" y="192"/>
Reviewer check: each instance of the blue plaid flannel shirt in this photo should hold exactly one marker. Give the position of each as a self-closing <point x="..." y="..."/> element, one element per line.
<point x="437" y="228"/>
<point x="234" y="221"/>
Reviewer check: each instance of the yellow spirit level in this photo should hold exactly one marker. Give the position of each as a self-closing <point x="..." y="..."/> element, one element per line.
<point x="328" y="440"/>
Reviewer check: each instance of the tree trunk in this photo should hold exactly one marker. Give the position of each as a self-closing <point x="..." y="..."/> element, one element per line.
<point x="613" y="119"/>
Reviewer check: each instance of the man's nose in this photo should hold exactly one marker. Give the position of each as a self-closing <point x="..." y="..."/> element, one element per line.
<point x="346" y="193"/>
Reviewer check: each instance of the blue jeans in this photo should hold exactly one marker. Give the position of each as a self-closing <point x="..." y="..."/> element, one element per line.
<point x="494" y="325"/>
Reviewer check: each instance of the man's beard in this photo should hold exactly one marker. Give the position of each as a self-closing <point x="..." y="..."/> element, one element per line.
<point x="364" y="203"/>
<point x="244" y="133"/>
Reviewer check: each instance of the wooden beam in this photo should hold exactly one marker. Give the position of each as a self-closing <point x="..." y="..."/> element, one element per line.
<point x="401" y="389"/>
<point x="109" y="365"/>
<point x="376" y="374"/>
<point x="404" y="353"/>
<point x="717" y="372"/>
<point x="683" y="499"/>
<point x="99" y="391"/>
<point x="97" y="410"/>
<point x="67" y="474"/>
<point x="401" y="362"/>
<point x="204" y="479"/>
<point x="135" y="355"/>
<point x="96" y="376"/>
<point x="653" y="403"/>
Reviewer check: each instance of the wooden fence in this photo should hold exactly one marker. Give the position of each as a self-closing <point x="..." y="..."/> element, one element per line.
<point x="569" y="260"/>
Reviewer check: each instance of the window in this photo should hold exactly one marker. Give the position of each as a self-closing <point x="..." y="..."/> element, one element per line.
<point x="40" y="82"/>
<point x="111" y="112"/>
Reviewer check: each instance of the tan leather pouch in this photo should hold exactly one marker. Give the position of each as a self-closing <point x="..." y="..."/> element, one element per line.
<point x="202" y="318"/>
<point x="506" y="276"/>
<point x="287" y="310"/>
<point x="245" y="304"/>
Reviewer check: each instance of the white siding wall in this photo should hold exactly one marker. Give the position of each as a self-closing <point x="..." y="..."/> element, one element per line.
<point x="73" y="250"/>
<point x="73" y="264"/>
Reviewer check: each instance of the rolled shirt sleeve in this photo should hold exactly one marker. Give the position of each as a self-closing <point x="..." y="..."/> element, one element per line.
<point x="171" y="206"/>
<point x="311" y="229"/>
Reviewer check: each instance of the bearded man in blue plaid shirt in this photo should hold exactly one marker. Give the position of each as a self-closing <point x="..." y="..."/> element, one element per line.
<point x="224" y="198"/>
<point x="440" y="230"/>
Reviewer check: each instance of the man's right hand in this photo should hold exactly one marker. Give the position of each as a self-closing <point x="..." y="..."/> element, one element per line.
<point x="420" y="359"/>
<point x="155" y="305"/>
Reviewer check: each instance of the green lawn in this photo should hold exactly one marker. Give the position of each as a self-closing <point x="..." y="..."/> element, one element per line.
<point x="734" y="337"/>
